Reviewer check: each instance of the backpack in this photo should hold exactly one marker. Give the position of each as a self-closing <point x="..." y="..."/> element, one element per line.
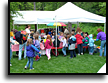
<point x="21" y="38"/>
<point x="18" y="35"/>
<point x="71" y="41"/>
<point x="71" y="44"/>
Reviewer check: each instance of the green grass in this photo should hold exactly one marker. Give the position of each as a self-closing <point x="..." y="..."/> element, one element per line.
<point x="81" y="64"/>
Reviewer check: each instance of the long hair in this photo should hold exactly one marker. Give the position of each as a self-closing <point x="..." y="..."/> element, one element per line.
<point x="36" y="36"/>
<point x="49" y="37"/>
<point x="29" y="42"/>
<point x="99" y="30"/>
<point x="79" y="30"/>
<point x="27" y="26"/>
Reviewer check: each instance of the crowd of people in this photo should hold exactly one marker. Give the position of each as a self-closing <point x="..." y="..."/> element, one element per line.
<point x="35" y="46"/>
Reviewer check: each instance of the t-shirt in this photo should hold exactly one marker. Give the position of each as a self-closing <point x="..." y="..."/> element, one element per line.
<point x="28" y="31"/>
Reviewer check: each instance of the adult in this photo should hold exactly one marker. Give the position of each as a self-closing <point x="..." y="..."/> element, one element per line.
<point x="73" y="29"/>
<point x="101" y="36"/>
<point x="21" y="38"/>
<point x="27" y="29"/>
<point x="66" y="31"/>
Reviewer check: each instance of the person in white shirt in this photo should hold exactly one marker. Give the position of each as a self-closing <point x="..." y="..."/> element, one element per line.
<point x="63" y="39"/>
<point x="28" y="31"/>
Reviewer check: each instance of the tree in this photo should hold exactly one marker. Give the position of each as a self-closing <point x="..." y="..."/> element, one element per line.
<point x="93" y="7"/>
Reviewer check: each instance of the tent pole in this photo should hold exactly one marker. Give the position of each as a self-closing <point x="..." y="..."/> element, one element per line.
<point x="13" y="25"/>
<point x="37" y="26"/>
<point x="77" y="24"/>
<point x="58" y="29"/>
<point x="56" y="35"/>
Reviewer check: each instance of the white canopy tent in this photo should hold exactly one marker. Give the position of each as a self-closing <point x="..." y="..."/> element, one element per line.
<point x="67" y="13"/>
<point x="30" y="17"/>
<point x="72" y="13"/>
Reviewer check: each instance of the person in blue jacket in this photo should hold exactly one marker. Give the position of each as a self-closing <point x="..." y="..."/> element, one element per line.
<point x="30" y="48"/>
<point x="72" y="42"/>
<point x="91" y="44"/>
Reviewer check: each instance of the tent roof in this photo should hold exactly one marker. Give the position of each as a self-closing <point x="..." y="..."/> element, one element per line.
<point x="73" y="13"/>
<point x="30" y="17"/>
<point x="67" y="13"/>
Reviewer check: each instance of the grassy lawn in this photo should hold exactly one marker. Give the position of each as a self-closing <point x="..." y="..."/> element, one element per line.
<point x="81" y="64"/>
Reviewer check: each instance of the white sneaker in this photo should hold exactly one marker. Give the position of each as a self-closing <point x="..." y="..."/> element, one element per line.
<point x="10" y="64"/>
<point x="49" y="58"/>
<point x="78" y="54"/>
<point x="25" y="67"/>
<point x="31" y="69"/>
<point x="81" y="53"/>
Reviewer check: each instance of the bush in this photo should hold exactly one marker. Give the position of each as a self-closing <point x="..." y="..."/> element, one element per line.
<point x="90" y="28"/>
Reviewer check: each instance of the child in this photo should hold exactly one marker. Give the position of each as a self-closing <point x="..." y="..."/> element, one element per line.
<point x="87" y="34"/>
<point x="72" y="41"/>
<point x="91" y="44"/>
<point x="79" y="42"/>
<point x="39" y="38"/>
<point x="37" y="45"/>
<point x="54" y="45"/>
<point x="42" y="48"/>
<point x="30" y="53"/>
<point x="48" y="45"/>
<point x="63" y="39"/>
<point x="85" y="41"/>
<point x="61" y="35"/>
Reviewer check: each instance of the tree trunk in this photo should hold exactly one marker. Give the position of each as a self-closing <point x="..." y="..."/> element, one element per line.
<point x="69" y="27"/>
<point x="34" y="6"/>
<point x="35" y="27"/>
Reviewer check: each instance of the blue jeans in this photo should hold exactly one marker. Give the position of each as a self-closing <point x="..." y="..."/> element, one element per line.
<point x="36" y="53"/>
<point x="64" y="50"/>
<point x="20" y="50"/>
<point x="30" y="61"/>
<point x="84" y="48"/>
<point x="80" y="48"/>
<point x="10" y="54"/>
<point x="72" y="52"/>
<point x="91" y="49"/>
<point x="103" y="43"/>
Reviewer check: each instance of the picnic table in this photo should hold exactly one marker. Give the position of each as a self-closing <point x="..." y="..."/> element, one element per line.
<point x="16" y="47"/>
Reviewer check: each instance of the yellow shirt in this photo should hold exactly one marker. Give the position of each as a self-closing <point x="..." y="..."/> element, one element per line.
<point x="11" y="34"/>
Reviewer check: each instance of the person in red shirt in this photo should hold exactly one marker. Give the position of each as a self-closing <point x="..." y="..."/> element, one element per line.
<point x="79" y="41"/>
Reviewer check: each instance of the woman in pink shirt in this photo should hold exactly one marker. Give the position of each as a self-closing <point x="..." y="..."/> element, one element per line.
<point x="48" y="45"/>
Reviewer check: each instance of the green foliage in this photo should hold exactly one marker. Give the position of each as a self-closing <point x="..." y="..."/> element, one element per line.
<point x="94" y="7"/>
<point x="90" y="28"/>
